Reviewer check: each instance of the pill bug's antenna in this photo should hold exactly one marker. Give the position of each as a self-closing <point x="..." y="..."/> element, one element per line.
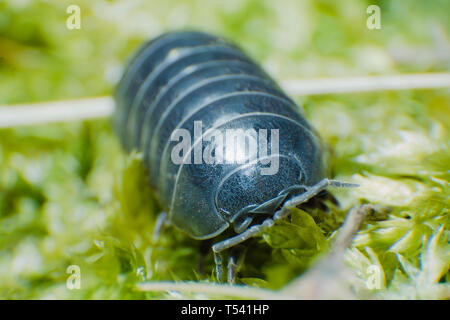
<point x="102" y="107"/>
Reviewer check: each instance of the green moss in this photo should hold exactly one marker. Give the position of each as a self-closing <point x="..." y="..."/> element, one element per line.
<point x="70" y="196"/>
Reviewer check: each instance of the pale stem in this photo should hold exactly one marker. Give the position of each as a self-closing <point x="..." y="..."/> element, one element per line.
<point x="102" y="107"/>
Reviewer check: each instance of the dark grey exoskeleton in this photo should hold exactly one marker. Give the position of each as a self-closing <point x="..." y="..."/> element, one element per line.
<point x="199" y="88"/>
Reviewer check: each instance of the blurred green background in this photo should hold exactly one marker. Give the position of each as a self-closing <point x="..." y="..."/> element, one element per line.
<point x="70" y="196"/>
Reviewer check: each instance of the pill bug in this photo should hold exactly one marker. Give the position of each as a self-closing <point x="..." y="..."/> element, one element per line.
<point x="181" y="79"/>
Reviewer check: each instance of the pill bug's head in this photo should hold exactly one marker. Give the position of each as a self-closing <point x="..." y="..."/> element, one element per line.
<point x="252" y="191"/>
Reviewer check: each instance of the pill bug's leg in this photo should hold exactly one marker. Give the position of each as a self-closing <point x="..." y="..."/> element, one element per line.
<point x="234" y="241"/>
<point x="219" y="265"/>
<point x="235" y="262"/>
<point x="310" y="193"/>
<point x="247" y="234"/>
<point x="163" y="220"/>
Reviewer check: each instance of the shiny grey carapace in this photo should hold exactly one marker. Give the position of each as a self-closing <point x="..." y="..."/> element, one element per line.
<point x="181" y="79"/>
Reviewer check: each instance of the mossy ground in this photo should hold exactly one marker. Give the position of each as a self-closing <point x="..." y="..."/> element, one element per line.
<point x="70" y="196"/>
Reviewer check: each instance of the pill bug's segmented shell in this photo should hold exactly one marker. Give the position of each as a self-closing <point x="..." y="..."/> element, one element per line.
<point x="183" y="77"/>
